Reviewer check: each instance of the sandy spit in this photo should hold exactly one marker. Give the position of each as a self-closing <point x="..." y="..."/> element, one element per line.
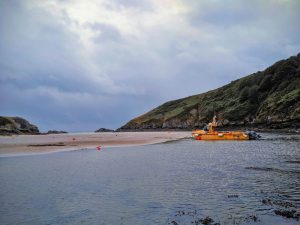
<point x="39" y="144"/>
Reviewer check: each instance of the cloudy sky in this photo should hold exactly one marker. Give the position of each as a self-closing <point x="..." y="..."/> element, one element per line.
<point x="78" y="65"/>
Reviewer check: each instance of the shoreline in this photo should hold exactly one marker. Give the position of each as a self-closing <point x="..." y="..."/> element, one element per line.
<point x="20" y="145"/>
<point x="221" y="128"/>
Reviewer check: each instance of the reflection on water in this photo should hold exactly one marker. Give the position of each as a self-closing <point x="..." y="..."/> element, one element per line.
<point x="180" y="182"/>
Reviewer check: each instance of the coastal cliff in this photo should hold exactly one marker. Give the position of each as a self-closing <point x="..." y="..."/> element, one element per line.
<point x="265" y="99"/>
<point x="16" y="125"/>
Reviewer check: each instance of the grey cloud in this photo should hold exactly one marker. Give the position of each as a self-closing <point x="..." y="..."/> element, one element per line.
<point x="143" y="5"/>
<point x="40" y="51"/>
<point x="107" y="32"/>
<point x="48" y="76"/>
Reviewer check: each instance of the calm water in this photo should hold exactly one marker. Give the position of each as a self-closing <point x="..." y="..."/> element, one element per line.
<point x="181" y="181"/>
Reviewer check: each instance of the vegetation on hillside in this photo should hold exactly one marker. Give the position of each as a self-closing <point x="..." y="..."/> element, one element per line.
<point x="265" y="97"/>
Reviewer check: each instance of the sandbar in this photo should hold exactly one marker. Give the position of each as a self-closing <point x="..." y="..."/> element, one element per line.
<point x="38" y="144"/>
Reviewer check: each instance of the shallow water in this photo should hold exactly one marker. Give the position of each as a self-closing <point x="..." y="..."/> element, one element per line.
<point x="182" y="181"/>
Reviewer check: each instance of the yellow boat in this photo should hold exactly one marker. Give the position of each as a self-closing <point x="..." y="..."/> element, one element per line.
<point x="210" y="133"/>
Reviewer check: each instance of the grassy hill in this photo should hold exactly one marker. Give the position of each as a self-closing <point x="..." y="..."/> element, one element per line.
<point x="269" y="98"/>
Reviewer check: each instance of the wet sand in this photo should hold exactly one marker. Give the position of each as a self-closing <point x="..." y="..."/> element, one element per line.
<point x="38" y="144"/>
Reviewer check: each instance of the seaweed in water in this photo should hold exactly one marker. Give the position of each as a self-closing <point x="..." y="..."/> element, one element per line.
<point x="288" y="213"/>
<point x="284" y="204"/>
<point x="48" y="145"/>
<point x="232" y="196"/>
<point x="205" y="221"/>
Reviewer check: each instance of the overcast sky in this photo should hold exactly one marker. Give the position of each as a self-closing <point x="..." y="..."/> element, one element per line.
<point x="79" y="65"/>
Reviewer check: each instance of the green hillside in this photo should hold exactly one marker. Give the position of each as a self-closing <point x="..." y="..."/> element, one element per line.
<point x="268" y="98"/>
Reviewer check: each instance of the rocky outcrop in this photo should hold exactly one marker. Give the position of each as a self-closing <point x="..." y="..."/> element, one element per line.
<point x="103" y="130"/>
<point x="266" y="99"/>
<point x="16" y="125"/>
<point x="56" y="132"/>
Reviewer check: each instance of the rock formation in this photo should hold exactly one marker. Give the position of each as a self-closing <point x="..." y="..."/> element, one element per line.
<point x="56" y="132"/>
<point x="16" y="125"/>
<point x="103" y="130"/>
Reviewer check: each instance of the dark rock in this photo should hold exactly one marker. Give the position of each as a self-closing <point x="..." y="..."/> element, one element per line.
<point x="253" y="217"/>
<point x="16" y="125"/>
<point x="56" y="132"/>
<point x="232" y="196"/>
<point x="248" y="219"/>
<point x="267" y="201"/>
<point x="174" y="222"/>
<point x="104" y="130"/>
<point x="207" y="221"/>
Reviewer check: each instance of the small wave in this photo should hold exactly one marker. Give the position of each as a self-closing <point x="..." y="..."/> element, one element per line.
<point x="270" y="169"/>
<point x="293" y="161"/>
<point x="286" y="138"/>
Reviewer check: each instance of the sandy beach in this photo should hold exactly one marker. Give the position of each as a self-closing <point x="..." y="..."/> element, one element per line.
<point x="38" y="144"/>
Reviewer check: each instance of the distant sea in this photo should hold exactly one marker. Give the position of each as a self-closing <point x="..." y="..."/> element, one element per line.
<point x="180" y="182"/>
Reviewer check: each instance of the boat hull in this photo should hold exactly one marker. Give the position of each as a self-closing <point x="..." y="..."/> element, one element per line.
<point x="202" y="135"/>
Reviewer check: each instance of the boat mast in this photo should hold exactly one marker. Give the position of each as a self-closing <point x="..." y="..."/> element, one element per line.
<point x="212" y="126"/>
